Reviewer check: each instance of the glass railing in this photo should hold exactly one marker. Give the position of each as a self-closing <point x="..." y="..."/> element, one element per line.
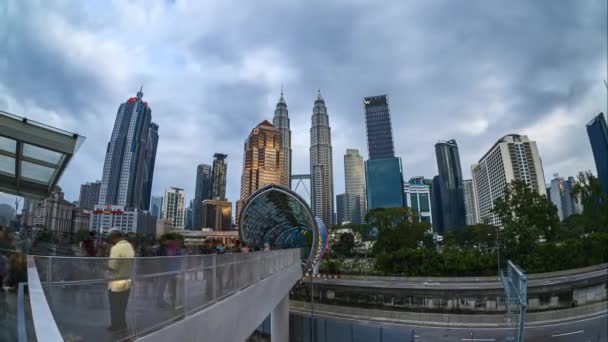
<point x="160" y="290"/>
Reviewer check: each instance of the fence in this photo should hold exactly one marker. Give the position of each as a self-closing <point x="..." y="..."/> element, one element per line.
<point x="162" y="289"/>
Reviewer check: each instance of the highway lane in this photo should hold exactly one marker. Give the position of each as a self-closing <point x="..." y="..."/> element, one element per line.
<point x="591" y="329"/>
<point x="468" y="284"/>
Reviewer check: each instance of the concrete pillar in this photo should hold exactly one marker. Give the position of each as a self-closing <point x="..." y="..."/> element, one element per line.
<point x="279" y="321"/>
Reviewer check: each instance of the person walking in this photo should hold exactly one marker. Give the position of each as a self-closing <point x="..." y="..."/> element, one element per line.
<point x="119" y="287"/>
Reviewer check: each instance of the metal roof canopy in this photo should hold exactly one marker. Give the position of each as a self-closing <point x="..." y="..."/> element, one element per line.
<point x="33" y="156"/>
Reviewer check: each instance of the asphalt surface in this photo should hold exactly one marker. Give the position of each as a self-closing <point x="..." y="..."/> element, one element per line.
<point x="589" y="329"/>
<point x="468" y="284"/>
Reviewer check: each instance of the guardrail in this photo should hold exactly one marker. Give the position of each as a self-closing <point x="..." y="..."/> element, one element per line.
<point x="162" y="290"/>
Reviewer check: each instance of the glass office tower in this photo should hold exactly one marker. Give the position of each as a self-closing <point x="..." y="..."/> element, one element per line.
<point x="598" y="137"/>
<point x="384" y="183"/>
<point x="378" y="127"/>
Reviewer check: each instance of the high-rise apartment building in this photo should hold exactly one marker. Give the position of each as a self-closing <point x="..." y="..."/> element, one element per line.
<point x="598" y="137"/>
<point x="378" y="127"/>
<point x="470" y="202"/>
<point x="321" y="164"/>
<point x="281" y="122"/>
<point x="174" y="205"/>
<point x="203" y="191"/>
<point x="512" y="157"/>
<point x="561" y="196"/>
<point x="129" y="163"/>
<point x="263" y="162"/>
<point x="418" y="198"/>
<point x="220" y="169"/>
<point x="156" y="206"/>
<point x="450" y="186"/>
<point x="354" y="181"/>
<point x="89" y="195"/>
<point x="343" y="213"/>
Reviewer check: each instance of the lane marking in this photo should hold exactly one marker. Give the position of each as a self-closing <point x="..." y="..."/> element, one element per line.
<point x="477" y="339"/>
<point x="570" y="333"/>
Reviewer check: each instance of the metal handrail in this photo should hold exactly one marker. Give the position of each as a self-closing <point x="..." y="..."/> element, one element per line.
<point x="44" y="322"/>
<point x="21" y="330"/>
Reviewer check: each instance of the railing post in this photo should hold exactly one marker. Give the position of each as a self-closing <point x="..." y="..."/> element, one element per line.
<point x="185" y="287"/>
<point x="214" y="278"/>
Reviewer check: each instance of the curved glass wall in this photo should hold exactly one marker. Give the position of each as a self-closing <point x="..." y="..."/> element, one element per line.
<point x="277" y="216"/>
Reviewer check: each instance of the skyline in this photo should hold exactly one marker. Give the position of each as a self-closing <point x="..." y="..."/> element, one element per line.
<point x="206" y="101"/>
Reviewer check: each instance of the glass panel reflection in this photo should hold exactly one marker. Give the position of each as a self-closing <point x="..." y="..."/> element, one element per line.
<point x="7" y="165"/>
<point x="8" y="144"/>
<point x="36" y="172"/>
<point x="43" y="154"/>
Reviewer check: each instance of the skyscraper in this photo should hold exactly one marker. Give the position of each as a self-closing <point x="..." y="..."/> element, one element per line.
<point x="470" y="203"/>
<point x="383" y="171"/>
<point x="129" y="163"/>
<point x="354" y="181"/>
<point x="150" y="160"/>
<point x="263" y="162"/>
<point x="321" y="164"/>
<point x="156" y="206"/>
<point x="378" y="127"/>
<point x="343" y="213"/>
<point x="561" y="196"/>
<point x="281" y="122"/>
<point x="450" y="186"/>
<point x="512" y="157"/>
<point x="436" y="210"/>
<point x="216" y="215"/>
<point x="174" y="206"/>
<point x="418" y="198"/>
<point x="598" y="137"/>
<point x="89" y="195"/>
<point x="220" y="169"/>
<point x="203" y="191"/>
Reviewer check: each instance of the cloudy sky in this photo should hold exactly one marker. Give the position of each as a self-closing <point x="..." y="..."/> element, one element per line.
<point x="469" y="70"/>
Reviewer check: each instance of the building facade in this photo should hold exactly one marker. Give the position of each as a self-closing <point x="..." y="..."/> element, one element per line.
<point x="354" y="181"/>
<point x="174" y="205"/>
<point x="450" y="186"/>
<point x="281" y="122"/>
<point x="129" y="162"/>
<point x="384" y="179"/>
<point x="560" y="195"/>
<point x="220" y="170"/>
<point x="81" y="219"/>
<point x="436" y="206"/>
<point x="53" y="213"/>
<point x="203" y="191"/>
<point x="263" y="161"/>
<point x="470" y="202"/>
<point x="156" y="206"/>
<point x="417" y="196"/>
<point x="598" y="137"/>
<point x="513" y="157"/>
<point x="378" y="127"/>
<point x="321" y="164"/>
<point x="128" y="221"/>
<point x="216" y="215"/>
<point x="343" y="213"/>
<point x="89" y="195"/>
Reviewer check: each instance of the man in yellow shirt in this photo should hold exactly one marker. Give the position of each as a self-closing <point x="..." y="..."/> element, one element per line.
<point x="119" y="287"/>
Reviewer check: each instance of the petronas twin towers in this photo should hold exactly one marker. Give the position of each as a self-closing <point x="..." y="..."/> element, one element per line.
<point x="321" y="163"/>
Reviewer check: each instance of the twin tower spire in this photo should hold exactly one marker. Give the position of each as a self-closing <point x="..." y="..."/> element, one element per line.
<point x="321" y="164"/>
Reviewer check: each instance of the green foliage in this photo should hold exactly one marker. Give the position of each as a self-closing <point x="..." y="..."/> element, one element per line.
<point x="588" y="190"/>
<point x="344" y="247"/>
<point x="526" y="217"/>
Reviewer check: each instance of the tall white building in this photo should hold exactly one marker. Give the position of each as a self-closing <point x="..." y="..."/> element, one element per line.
<point x="321" y="164"/>
<point x="512" y="157"/>
<point x="106" y="217"/>
<point x="470" y="202"/>
<point x="354" y="180"/>
<point x="561" y="196"/>
<point x="417" y="195"/>
<point x="174" y="205"/>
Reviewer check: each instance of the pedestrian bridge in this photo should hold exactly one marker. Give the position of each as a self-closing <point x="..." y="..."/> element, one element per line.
<point x="185" y="298"/>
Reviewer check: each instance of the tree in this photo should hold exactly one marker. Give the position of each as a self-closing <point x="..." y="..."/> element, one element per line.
<point x="344" y="246"/>
<point x="589" y="191"/>
<point x="526" y="217"/>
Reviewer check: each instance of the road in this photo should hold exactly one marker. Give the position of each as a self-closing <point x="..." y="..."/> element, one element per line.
<point x="592" y="329"/>
<point x="458" y="284"/>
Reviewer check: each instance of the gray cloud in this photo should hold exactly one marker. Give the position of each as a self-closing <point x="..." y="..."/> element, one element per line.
<point x="472" y="71"/>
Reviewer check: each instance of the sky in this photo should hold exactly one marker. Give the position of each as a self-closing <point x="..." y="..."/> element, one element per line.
<point x="473" y="71"/>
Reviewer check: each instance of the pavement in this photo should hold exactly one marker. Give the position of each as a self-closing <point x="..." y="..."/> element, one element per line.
<point x="593" y="328"/>
<point x="463" y="284"/>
